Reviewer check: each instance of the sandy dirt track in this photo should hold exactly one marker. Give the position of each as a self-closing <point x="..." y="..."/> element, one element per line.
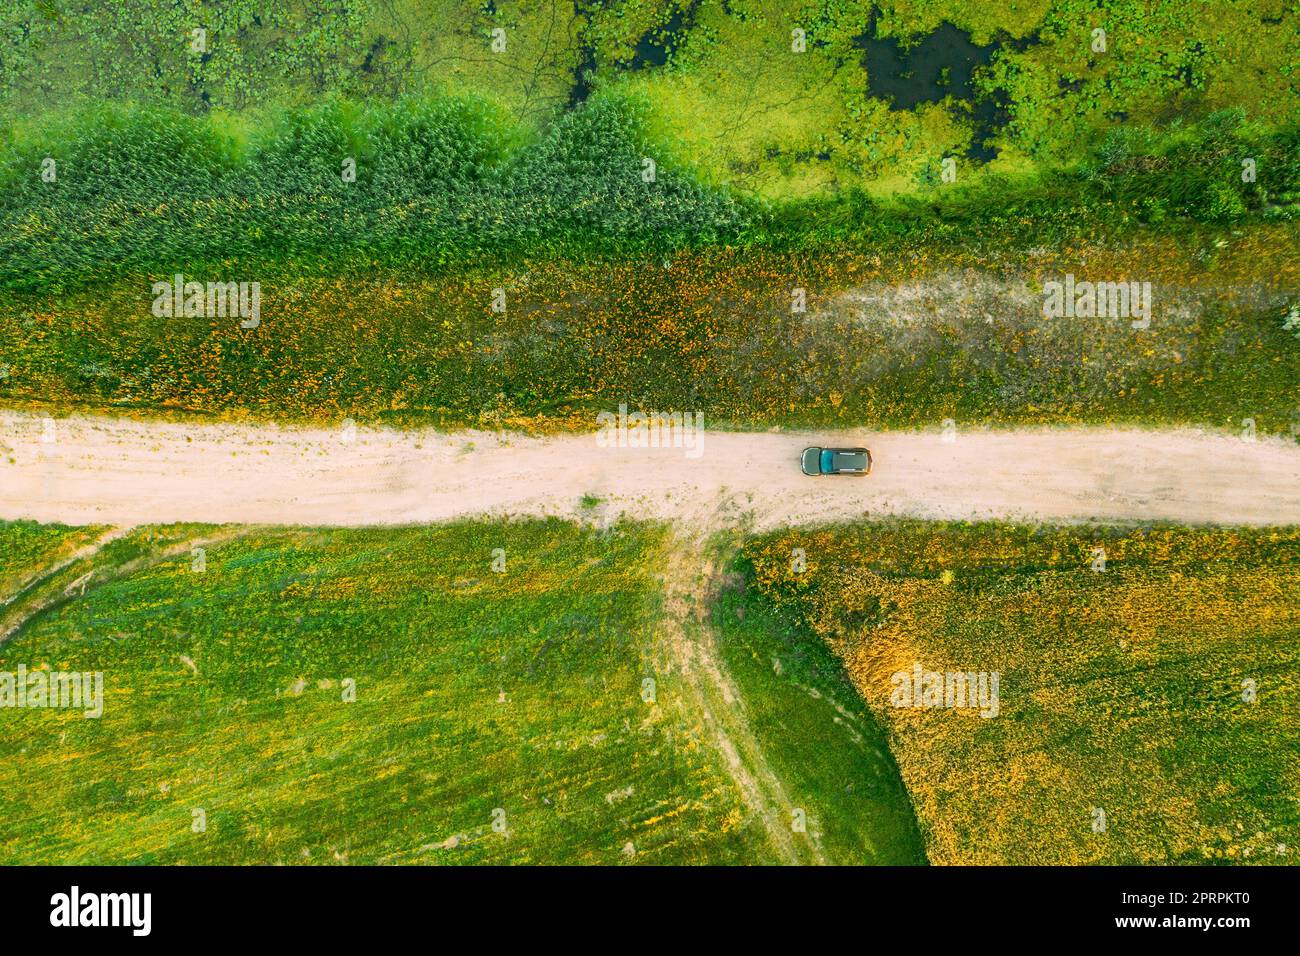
<point x="84" y="470"/>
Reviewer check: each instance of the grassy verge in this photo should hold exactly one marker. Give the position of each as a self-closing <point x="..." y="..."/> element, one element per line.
<point x="887" y="340"/>
<point x="1155" y="697"/>
<point x="498" y="717"/>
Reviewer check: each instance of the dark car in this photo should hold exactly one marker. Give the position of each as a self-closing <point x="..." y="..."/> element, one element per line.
<point x="836" y="461"/>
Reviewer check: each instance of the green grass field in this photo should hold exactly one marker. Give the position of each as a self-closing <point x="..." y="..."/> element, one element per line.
<point x="1160" y="691"/>
<point x="497" y="716"/>
<point x="475" y="692"/>
<point x="504" y="716"/>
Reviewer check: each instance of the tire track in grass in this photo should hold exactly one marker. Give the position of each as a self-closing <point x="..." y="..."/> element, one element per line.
<point x="44" y="594"/>
<point x="43" y="575"/>
<point x="691" y="579"/>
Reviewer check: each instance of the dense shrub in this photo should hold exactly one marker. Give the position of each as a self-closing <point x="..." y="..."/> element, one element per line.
<point x="144" y="190"/>
<point x="1198" y="172"/>
<point x="140" y="190"/>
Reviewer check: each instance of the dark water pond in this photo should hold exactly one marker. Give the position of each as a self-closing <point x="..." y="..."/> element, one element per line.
<point x="941" y="64"/>
<point x="652" y="49"/>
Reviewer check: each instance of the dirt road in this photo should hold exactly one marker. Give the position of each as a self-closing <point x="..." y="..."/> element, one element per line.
<point x="121" y="472"/>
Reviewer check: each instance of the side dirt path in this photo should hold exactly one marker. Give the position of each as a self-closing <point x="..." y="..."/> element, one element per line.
<point x="692" y="570"/>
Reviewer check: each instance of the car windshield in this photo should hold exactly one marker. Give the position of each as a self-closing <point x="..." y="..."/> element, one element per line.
<point x="828" y="461"/>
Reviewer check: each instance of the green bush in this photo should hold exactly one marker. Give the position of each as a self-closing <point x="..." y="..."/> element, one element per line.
<point x="141" y="190"/>
<point x="144" y="191"/>
<point x="1197" y="171"/>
